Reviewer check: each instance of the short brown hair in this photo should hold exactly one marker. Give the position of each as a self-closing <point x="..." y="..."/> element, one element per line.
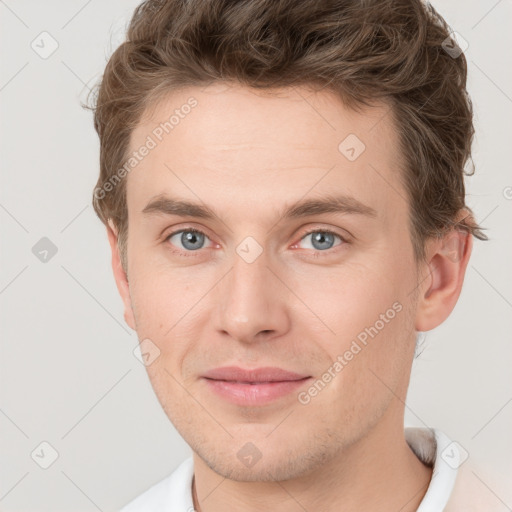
<point x="394" y="51"/>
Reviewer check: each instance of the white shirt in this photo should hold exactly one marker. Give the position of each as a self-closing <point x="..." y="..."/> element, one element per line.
<point x="431" y="446"/>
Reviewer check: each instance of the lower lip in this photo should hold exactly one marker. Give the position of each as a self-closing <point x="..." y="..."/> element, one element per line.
<point x="254" y="394"/>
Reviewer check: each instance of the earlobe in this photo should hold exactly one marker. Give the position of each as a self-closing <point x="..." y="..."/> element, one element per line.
<point x="447" y="262"/>
<point x="120" y="275"/>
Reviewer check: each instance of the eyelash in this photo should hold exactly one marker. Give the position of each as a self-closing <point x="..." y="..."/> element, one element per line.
<point x="315" y="255"/>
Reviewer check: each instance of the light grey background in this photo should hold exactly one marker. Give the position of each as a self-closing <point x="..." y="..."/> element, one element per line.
<point x="68" y="375"/>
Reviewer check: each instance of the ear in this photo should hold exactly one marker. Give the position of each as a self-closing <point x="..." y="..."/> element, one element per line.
<point x="447" y="259"/>
<point x="120" y="275"/>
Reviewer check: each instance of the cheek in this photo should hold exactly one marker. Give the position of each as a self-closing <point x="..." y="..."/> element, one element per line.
<point x="365" y="375"/>
<point x="368" y="311"/>
<point x="169" y="310"/>
<point x="355" y="297"/>
<point x="163" y="297"/>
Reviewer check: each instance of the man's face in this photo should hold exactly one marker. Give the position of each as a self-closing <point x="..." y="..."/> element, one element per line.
<point x="256" y="290"/>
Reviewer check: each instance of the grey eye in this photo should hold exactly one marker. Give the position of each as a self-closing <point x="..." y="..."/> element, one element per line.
<point x="321" y="240"/>
<point x="189" y="239"/>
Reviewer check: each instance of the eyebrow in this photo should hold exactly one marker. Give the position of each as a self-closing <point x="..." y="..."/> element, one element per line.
<point x="165" y="205"/>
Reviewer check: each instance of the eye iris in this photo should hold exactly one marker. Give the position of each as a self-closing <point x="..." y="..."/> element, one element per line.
<point x="321" y="237"/>
<point x="192" y="237"/>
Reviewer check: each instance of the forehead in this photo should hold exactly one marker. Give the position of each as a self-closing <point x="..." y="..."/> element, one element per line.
<point x="275" y="145"/>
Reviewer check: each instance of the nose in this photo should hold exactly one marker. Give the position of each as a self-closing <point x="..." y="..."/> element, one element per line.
<point x="251" y="302"/>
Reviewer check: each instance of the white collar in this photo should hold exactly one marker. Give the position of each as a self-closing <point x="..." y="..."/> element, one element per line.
<point x="435" y="449"/>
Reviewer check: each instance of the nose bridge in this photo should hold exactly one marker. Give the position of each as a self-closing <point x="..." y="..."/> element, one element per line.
<point x="250" y="300"/>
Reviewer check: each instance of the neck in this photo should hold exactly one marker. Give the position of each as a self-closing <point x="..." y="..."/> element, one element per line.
<point x="378" y="472"/>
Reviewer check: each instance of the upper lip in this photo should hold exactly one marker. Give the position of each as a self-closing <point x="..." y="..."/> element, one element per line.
<point x="264" y="374"/>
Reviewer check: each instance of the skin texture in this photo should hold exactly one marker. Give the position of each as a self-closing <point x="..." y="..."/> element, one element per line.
<point x="248" y="154"/>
